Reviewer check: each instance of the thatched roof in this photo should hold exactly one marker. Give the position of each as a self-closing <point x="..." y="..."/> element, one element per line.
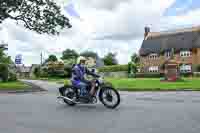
<point x="156" y="42"/>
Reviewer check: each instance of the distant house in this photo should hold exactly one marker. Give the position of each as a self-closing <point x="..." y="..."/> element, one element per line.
<point x="23" y="71"/>
<point x="26" y="71"/>
<point x="181" y="46"/>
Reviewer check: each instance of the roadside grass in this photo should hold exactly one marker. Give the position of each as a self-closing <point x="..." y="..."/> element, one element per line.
<point x="51" y="79"/>
<point x="15" y="85"/>
<point x="145" y="84"/>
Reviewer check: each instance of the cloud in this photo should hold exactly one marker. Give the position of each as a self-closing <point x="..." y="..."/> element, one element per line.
<point x="102" y="4"/>
<point x="188" y="19"/>
<point x="129" y="19"/>
<point x="107" y="26"/>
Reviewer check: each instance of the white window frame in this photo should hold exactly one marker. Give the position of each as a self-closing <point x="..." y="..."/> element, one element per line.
<point x="153" y="56"/>
<point x="185" y="68"/>
<point x="185" y="53"/>
<point x="154" y="69"/>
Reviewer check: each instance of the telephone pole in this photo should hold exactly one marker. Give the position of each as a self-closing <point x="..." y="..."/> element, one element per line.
<point x="41" y="59"/>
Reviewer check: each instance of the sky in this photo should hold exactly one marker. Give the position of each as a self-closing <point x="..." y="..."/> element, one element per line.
<point x="102" y="26"/>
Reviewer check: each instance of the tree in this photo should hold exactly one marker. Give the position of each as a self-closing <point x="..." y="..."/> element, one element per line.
<point x="4" y="72"/>
<point x="42" y="16"/>
<point x="69" y="54"/>
<point x="135" y="58"/>
<point x="37" y="72"/>
<point x="4" y="58"/>
<point x="52" y="58"/>
<point x="110" y="59"/>
<point x="89" y="54"/>
<point x="132" y="66"/>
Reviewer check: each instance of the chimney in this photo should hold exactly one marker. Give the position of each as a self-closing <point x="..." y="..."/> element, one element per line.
<point x="146" y="31"/>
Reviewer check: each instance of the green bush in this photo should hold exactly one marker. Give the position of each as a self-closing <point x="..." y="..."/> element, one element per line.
<point x="186" y="74"/>
<point x="114" y="68"/>
<point x="196" y="74"/>
<point x="198" y="68"/>
<point x="37" y="72"/>
<point x="4" y="72"/>
<point x="55" y="72"/>
<point x="132" y="69"/>
<point x="148" y="75"/>
<point x="43" y="74"/>
<point x="12" y="77"/>
<point x="68" y="71"/>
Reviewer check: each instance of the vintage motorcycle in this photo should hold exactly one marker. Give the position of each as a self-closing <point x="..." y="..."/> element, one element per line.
<point x="106" y="94"/>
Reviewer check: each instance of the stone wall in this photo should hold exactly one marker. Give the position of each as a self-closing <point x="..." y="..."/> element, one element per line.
<point x="122" y="74"/>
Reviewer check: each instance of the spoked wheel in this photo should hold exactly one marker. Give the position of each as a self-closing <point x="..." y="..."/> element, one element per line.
<point x="110" y="97"/>
<point x="68" y="92"/>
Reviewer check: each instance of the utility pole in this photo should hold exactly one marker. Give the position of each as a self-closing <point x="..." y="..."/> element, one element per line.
<point x="41" y="58"/>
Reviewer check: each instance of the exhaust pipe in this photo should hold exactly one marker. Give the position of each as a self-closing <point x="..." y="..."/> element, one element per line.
<point x="66" y="98"/>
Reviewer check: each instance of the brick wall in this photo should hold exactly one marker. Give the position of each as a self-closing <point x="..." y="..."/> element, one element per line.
<point x="196" y="56"/>
<point x="146" y="62"/>
<point x="183" y="60"/>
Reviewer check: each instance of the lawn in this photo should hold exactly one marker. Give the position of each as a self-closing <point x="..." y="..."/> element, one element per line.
<point x="17" y="85"/>
<point x="146" y="84"/>
<point x="154" y="84"/>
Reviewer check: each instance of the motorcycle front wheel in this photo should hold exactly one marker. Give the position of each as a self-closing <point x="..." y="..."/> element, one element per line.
<point x="109" y="97"/>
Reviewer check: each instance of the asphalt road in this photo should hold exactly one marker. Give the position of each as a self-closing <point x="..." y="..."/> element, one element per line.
<point x="141" y="112"/>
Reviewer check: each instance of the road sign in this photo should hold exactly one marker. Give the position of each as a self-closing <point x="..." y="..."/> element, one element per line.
<point x="18" y="59"/>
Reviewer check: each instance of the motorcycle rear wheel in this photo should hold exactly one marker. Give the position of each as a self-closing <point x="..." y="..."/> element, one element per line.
<point x="68" y="91"/>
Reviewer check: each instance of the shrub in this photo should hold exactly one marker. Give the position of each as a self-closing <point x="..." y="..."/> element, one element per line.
<point x="114" y="68"/>
<point x="43" y="74"/>
<point x="68" y="71"/>
<point x="37" y="72"/>
<point x="4" y="72"/>
<point x="55" y="72"/>
<point x="132" y="69"/>
<point x="148" y="75"/>
<point x="12" y="77"/>
<point x="185" y="74"/>
<point x="196" y="74"/>
<point x="198" y="68"/>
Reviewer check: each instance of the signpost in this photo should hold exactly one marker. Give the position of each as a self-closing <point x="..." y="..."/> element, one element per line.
<point x="18" y="59"/>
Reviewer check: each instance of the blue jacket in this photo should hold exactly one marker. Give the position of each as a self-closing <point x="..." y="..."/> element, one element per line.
<point x="78" y="74"/>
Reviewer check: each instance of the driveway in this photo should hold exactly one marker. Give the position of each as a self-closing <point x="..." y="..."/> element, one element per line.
<point x="141" y="112"/>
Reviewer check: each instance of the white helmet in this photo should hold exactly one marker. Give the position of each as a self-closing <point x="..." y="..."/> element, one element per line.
<point x="81" y="58"/>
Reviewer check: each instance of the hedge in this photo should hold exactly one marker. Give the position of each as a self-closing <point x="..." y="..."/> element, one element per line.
<point x="148" y="75"/>
<point x="196" y="74"/>
<point x="186" y="74"/>
<point x="114" y="68"/>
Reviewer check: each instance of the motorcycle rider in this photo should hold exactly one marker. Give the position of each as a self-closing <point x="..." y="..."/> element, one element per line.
<point x="78" y="77"/>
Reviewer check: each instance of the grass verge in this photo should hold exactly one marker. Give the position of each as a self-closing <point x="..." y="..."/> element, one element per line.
<point x="16" y="85"/>
<point x="146" y="84"/>
<point x="155" y="84"/>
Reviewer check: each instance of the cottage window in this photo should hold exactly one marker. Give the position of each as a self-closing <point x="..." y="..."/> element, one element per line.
<point x="185" y="53"/>
<point x="153" y="69"/>
<point x="153" y="56"/>
<point x="185" y="68"/>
